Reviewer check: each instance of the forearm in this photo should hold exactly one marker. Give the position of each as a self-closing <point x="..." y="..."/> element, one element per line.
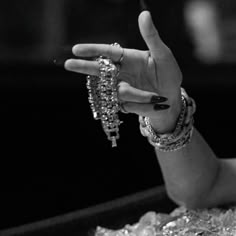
<point x="190" y="173"/>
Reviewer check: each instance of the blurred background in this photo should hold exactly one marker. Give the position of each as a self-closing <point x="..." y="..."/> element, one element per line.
<point x="54" y="157"/>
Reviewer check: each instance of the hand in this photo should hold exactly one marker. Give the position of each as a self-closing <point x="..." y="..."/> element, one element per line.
<point x="143" y="74"/>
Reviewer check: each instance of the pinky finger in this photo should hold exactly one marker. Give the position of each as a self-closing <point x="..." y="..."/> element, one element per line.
<point x="143" y="109"/>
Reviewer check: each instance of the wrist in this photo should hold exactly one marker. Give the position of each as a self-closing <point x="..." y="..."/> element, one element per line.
<point x="178" y="133"/>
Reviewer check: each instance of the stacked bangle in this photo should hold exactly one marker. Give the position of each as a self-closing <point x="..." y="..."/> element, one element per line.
<point x="183" y="130"/>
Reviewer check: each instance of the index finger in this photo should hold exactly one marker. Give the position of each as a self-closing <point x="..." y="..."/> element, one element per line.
<point x="96" y="50"/>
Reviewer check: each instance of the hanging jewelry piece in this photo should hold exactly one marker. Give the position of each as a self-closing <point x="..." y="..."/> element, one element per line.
<point x="103" y="98"/>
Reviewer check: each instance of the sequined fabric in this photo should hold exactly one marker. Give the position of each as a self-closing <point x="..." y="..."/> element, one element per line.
<point x="215" y="221"/>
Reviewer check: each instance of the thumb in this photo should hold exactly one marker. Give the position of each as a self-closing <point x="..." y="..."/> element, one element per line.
<point x="149" y="32"/>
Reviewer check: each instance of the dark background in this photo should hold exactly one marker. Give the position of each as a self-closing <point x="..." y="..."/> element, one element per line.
<point x="54" y="157"/>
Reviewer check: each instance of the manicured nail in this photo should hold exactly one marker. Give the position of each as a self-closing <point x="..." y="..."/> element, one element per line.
<point x="157" y="107"/>
<point x="157" y="99"/>
<point x="143" y="5"/>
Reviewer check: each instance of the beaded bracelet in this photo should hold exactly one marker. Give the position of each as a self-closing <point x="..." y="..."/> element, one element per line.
<point x="182" y="134"/>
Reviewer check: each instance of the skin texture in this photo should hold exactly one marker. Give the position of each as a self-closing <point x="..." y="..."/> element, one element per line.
<point x="193" y="175"/>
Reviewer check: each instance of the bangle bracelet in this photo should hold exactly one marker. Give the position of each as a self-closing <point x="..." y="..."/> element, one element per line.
<point x="183" y="130"/>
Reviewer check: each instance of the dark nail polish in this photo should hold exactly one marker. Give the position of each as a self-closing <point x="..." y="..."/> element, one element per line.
<point x="157" y="107"/>
<point x="143" y="5"/>
<point x="157" y="99"/>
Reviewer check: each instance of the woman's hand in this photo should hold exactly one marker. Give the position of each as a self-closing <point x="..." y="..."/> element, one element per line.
<point x="145" y="76"/>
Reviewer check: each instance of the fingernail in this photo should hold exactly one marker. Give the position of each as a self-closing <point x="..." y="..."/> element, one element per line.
<point x="157" y="107"/>
<point x="156" y="99"/>
<point x="143" y="5"/>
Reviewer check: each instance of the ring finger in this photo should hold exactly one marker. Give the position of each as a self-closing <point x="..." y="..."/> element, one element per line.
<point x="144" y="109"/>
<point x="127" y="93"/>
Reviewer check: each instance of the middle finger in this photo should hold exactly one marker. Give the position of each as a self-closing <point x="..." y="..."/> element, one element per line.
<point x="96" y="50"/>
<point x="83" y="66"/>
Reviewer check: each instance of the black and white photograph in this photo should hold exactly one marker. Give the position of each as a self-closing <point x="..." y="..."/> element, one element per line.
<point x="117" y="118"/>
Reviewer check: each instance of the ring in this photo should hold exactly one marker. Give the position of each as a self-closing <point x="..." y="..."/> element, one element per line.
<point x="122" y="54"/>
